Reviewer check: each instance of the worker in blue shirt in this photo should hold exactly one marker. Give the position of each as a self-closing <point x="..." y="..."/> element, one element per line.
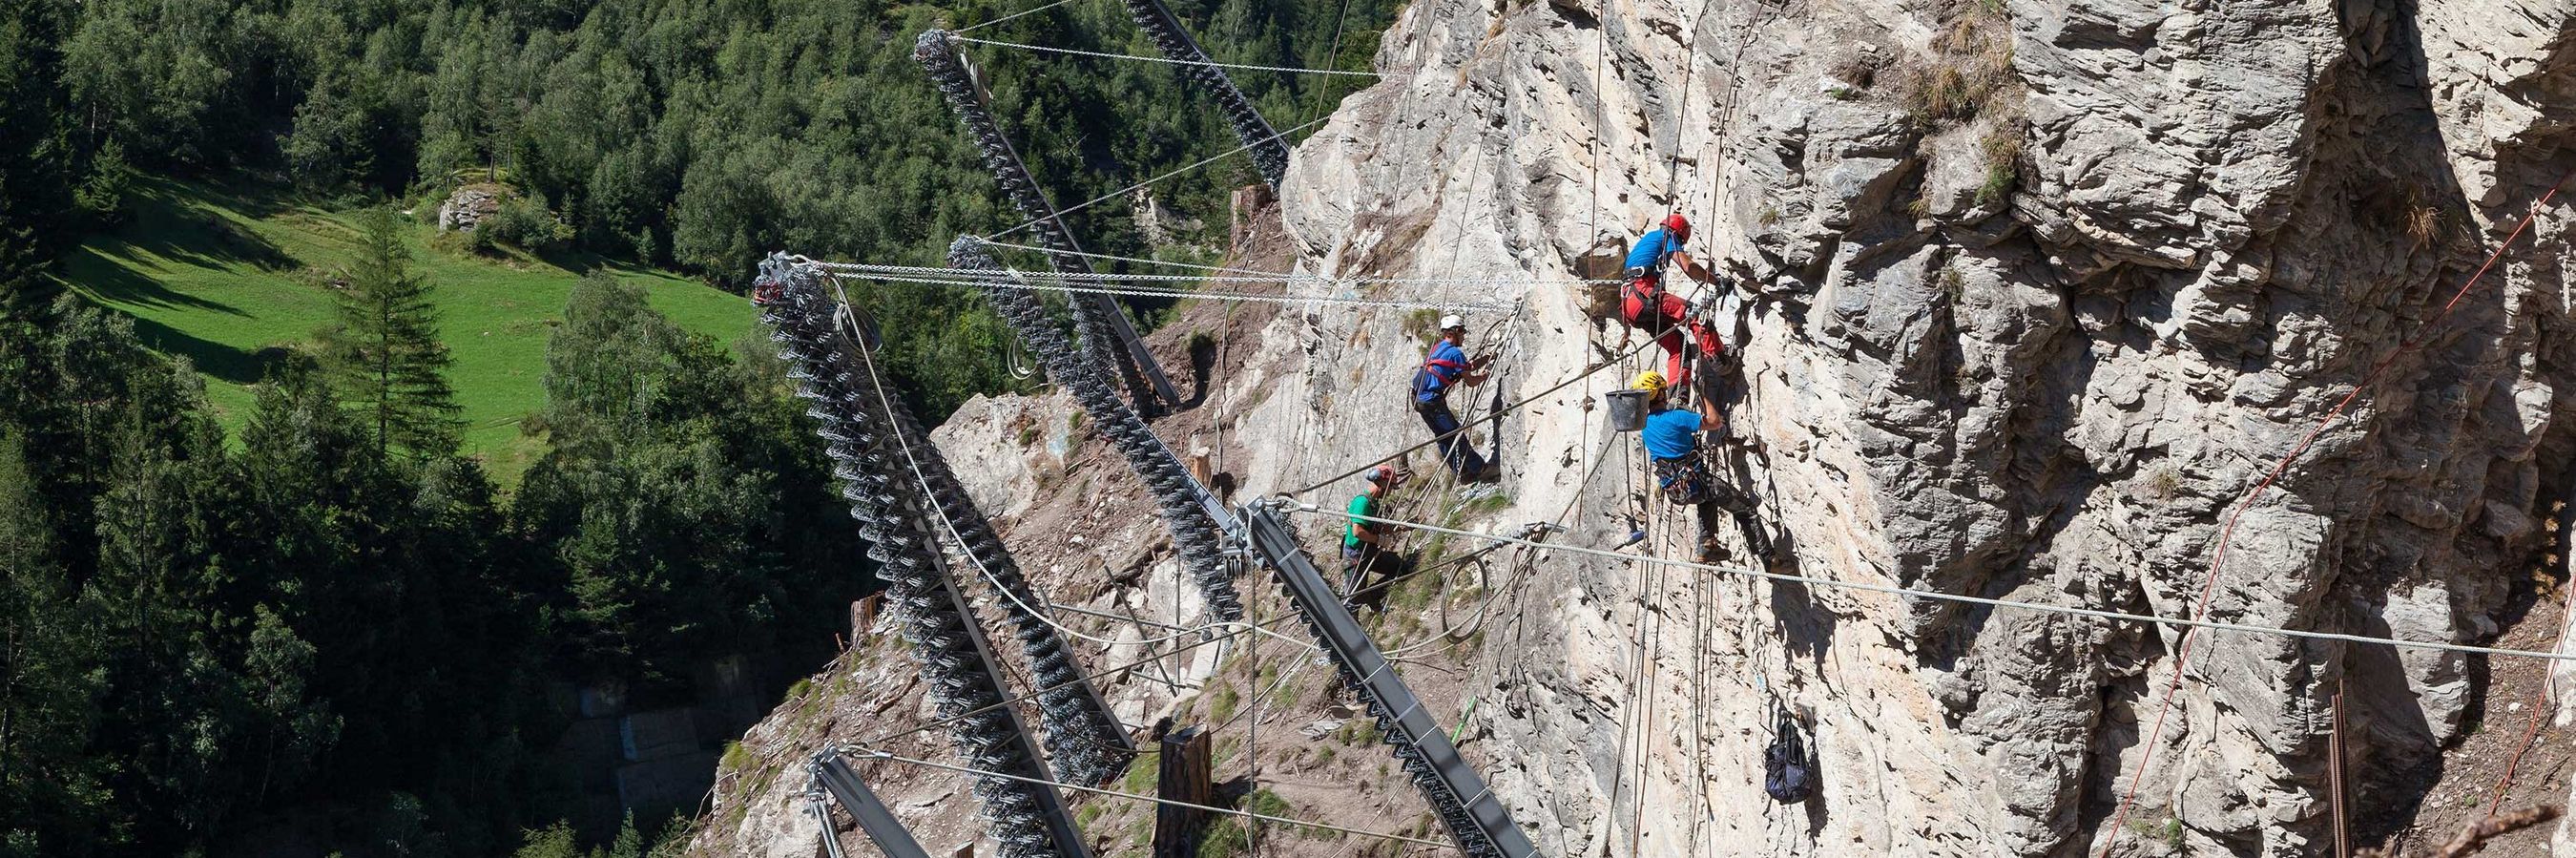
<point x="1646" y="305"/>
<point x="1446" y="369"/>
<point x="1672" y="439"/>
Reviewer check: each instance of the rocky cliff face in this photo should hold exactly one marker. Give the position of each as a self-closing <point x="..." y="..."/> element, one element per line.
<point x="2035" y="293"/>
<point x="2044" y="289"/>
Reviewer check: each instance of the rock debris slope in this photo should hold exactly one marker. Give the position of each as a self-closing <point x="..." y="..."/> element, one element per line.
<point x="2038" y="291"/>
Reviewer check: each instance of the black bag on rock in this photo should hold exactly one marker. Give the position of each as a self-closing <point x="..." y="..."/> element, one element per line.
<point x="1788" y="770"/>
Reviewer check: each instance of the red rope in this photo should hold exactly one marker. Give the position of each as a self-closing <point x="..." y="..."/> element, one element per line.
<point x="2209" y="587"/>
<point x="2548" y="686"/>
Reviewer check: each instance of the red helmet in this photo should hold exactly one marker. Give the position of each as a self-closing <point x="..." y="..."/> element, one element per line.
<point x="1677" y="226"/>
<point x="1382" y="474"/>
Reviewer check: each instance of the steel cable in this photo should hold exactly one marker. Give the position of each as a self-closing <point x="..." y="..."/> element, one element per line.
<point x="1194" y="531"/>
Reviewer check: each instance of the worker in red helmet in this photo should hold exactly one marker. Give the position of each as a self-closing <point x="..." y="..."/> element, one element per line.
<point x="1648" y="307"/>
<point x="1366" y="544"/>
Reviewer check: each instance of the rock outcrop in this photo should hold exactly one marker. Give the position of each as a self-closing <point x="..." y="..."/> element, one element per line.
<point x="467" y="208"/>
<point x="2043" y="291"/>
<point x="2034" y="296"/>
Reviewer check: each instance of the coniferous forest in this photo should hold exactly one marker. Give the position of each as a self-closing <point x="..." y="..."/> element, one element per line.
<point x="322" y="628"/>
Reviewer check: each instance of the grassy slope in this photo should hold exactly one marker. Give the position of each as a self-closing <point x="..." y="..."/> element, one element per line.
<point x="228" y="278"/>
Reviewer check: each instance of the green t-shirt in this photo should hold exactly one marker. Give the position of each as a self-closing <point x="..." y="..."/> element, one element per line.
<point x="1360" y="505"/>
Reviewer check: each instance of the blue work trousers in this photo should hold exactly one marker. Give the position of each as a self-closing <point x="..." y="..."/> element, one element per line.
<point x="1456" y="449"/>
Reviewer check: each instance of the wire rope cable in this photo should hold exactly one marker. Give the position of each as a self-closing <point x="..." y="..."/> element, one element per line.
<point x="904" y="443"/>
<point x="1051" y="49"/>
<point x="1523" y="403"/>
<point x="973" y="27"/>
<point x="1156" y="292"/>
<point x="937" y="723"/>
<point x="1333" y="55"/>
<point x="1165" y="262"/>
<point x="1230" y="275"/>
<point x="1060" y="213"/>
<point x="1908" y="592"/>
<point x="873" y="754"/>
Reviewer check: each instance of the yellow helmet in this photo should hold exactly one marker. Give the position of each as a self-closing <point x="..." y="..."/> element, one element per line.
<point x="1649" y="381"/>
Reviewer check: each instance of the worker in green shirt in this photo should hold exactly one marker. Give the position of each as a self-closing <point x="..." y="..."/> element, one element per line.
<point x="1364" y="543"/>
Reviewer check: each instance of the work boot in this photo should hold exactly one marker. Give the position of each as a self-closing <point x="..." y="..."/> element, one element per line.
<point x="1710" y="551"/>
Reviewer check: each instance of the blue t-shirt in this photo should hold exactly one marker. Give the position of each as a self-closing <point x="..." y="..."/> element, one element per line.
<point x="1651" y="249"/>
<point x="1671" y="433"/>
<point x="1441" y="369"/>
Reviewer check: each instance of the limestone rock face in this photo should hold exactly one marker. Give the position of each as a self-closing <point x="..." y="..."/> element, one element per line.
<point x="2039" y="293"/>
<point x="2029" y="298"/>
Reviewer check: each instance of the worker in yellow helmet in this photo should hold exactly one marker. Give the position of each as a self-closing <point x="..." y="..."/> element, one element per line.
<point x="1672" y="438"/>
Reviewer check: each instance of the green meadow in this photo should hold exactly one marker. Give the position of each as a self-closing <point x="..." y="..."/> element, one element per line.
<point x="233" y="279"/>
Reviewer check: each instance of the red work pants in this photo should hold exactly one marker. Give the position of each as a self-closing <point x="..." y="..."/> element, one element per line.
<point x="1664" y="318"/>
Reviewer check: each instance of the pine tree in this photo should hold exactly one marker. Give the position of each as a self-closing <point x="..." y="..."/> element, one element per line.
<point x="50" y="797"/>
<point x="385" y="358"/>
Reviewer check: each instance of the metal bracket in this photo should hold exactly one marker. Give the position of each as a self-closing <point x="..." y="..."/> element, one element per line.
<point x="836" y="777"/>
<point x="1482" y="826"/>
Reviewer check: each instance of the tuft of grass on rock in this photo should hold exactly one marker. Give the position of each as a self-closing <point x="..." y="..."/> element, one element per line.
<point x="2002" y="148"/>
<point x="1969" y="69"/>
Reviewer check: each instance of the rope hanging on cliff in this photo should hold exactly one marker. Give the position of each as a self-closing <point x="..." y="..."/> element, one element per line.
<point x="1334" y="55"/>
<point x="2541" y="703"/>
<point x="2209" y="586"/>
<point x="2095" y="613"/>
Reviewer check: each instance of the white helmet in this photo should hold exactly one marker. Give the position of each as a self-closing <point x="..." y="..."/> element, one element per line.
<point x="1453" y="321"/>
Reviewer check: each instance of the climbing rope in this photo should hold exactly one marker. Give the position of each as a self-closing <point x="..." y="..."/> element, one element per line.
<point x="1333" y="55"/>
